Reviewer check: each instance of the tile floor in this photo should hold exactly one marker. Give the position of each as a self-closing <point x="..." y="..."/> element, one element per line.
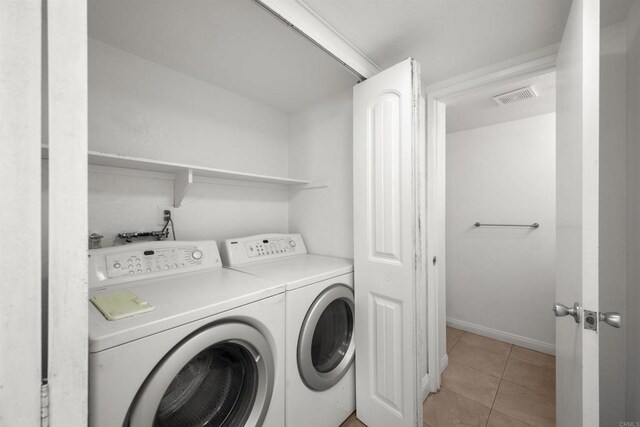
<point x="490" y="383"/>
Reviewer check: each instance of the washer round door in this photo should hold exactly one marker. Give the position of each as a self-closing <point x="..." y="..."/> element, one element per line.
<point x="220" y="376"/>
<point x="326" y="345"/>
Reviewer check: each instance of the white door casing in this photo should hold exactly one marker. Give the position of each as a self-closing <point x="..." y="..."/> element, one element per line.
<point x="436" y="242"/>
<point x="68" y="283"/>
<point x="20" y="187"/>
<point x="577" y="213"/>
<point x="422" y="270"/>
<point x="389" y="198"/>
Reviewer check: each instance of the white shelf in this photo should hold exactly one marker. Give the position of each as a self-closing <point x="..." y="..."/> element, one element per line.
<point x="184" y="174"/>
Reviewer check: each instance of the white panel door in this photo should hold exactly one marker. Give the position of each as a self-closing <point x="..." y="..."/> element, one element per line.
<point x="388" y="212"/>
<point x="577" y="214"/>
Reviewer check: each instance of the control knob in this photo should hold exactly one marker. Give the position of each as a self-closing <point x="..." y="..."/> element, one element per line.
<point x="197" y="254"/>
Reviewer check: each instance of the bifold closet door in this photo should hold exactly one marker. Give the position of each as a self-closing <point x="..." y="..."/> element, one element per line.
<point x="67" y="138"/>
<point x="389" y="245"/>
<point x="20" y="187"/>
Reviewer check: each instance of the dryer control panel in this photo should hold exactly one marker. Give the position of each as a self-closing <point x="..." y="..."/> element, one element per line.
<point x="145" y="260"/>
<point x="261" y="247"/>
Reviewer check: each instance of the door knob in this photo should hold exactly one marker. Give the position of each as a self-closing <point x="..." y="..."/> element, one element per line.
<point x="562" y="310"/>
<point x="611" y="318"/>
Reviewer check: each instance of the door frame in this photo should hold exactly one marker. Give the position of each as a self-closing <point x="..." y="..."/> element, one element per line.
<point x="64" y="56"/>
<point x="532" y="63"/>
<point x="20" y="221"/>
<point x="66" y="129"/>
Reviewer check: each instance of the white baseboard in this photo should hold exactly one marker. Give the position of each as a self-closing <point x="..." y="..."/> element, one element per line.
<point x="426" y="386"/>
<point x="529" y="343"/>
<point x="444" y="362"/>
<point x="426" y="381"/>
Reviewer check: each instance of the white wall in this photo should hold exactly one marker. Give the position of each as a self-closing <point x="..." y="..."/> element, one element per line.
<point x="119" y="202"/>
<point x="612" y="222"/>
<point x="321" y="150"/>
<point x="143" y="109"/>
<point x="632" y="323"/>
<point x="501" y="281"/>
<point x="139" y="108"/>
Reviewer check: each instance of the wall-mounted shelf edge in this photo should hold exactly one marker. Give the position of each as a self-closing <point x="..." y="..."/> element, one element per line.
<point x="183" y="174"/>
<point x="312" y="185"/>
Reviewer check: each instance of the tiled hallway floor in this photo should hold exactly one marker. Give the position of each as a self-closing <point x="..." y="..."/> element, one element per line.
<point x="490" y="383"/>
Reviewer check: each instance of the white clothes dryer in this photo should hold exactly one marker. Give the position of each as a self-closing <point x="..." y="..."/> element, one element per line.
<point x="320" y="346"/>
<point x="206" y="347"/>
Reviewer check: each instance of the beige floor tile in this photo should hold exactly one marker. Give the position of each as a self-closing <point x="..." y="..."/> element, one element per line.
<point x="538" y="378"/>
<point x="478" y="357"/>
<point x="525" y="405"/>
<point x="531" y="356"/>
<point x="453" y="335"/>
<point x="485" y="343"/>
<point x="496" y="419"/>
<point x="447" y="408"/>
<point x="472" y="383"/>
<point x="352" y="421"/>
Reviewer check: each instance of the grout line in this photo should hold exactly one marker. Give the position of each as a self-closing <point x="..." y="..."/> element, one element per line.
<point x="454" y="344"/>
<point x="475" y="368"/>
<point x="524" y="385"/>
<point x="485" y="348"/>
<point x="509" y="356"/>
<point x="505" y="365"/>
<point x="529" y="388"/>
<point x="501" y="379"/>
<point x="496" y="395"/>
<point x="470" y="366"/>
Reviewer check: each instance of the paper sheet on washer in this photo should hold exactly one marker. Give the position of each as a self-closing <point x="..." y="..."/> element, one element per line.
<point x="120" y="304"/>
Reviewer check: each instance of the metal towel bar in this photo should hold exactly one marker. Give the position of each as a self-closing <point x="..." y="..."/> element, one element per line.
<point x="534" y="225"/>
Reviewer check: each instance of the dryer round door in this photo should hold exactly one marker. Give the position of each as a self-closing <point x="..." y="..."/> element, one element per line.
<point x="326" y="345"/>
<point x="220" y="376"/>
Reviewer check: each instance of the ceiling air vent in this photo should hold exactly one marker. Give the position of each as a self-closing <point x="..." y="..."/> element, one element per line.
<point x="515" y="96"/>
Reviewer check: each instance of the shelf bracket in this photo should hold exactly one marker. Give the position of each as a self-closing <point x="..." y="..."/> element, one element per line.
<point x="181" y="183"/>
<point x="313" y="185"/>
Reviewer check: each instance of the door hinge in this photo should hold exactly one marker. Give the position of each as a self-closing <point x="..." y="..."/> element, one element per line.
<point x="44" y="404"/>
<point x="434" y="260"/>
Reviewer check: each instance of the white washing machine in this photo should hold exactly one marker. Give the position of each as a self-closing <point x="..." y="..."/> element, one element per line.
<point x="206" y="348"/>
<point x="320" y="345"/>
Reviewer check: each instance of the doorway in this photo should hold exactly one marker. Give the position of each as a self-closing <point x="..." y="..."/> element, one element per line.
<point x="499" y="237"/>
<point x="615" y="166"/>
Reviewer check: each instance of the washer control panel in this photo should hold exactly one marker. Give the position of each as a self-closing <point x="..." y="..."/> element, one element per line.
<point x="261" y="247"/>
<point x="152" y="260"/>
<point x="139" y="261"/>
